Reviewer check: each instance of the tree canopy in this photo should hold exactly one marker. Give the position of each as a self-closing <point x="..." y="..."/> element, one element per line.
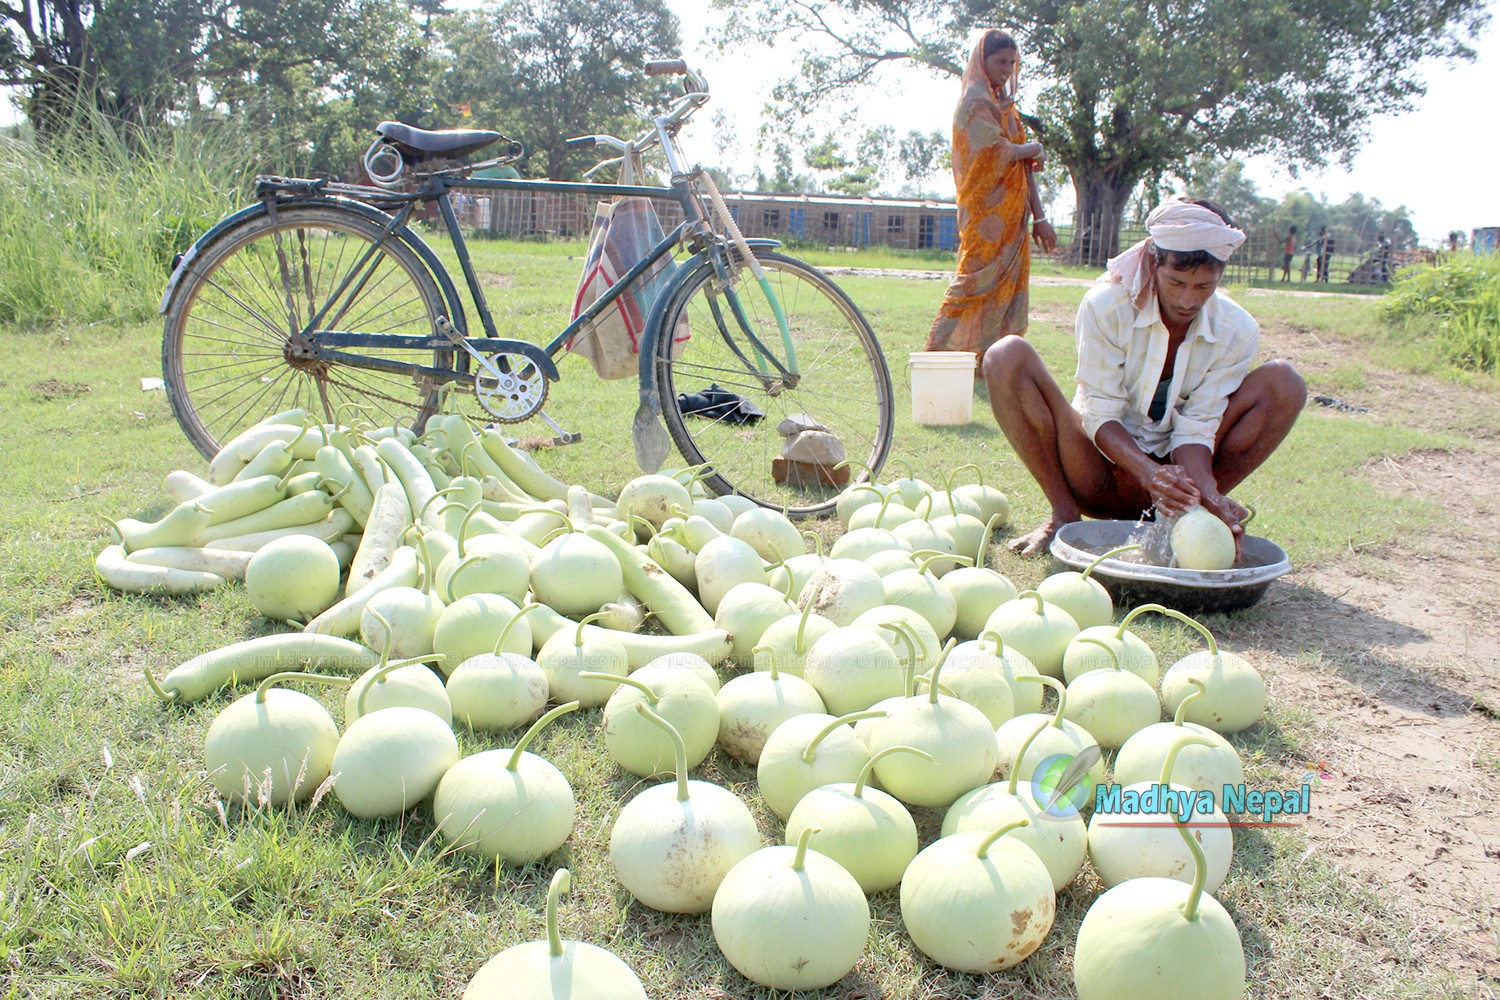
<point x="1124" y="90"/>
<point x="313" y="78"/>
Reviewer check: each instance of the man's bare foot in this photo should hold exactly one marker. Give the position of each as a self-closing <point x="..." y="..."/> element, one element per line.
<point x="1036" y="542"/>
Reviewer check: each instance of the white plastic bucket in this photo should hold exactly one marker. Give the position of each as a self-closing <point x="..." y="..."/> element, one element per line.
<point x="942" y="387"/>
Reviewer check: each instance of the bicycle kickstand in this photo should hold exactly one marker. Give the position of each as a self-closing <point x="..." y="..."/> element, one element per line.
<point x="563" y="437"/>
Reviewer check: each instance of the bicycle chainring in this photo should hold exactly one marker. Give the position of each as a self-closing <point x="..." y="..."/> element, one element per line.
<point x="519" y="392"/>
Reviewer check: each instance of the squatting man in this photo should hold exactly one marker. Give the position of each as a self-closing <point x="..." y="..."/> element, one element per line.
<point x="1168" y="413"/>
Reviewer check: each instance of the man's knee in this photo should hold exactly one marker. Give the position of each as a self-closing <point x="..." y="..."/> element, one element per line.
<point x="1006" y="359"/>
<point x="1286" y="388"/>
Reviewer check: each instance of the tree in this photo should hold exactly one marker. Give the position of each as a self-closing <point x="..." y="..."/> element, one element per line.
<point x="546" y="70"/>
<point x="1128" y="89"/>
<point x="139" y="60"/>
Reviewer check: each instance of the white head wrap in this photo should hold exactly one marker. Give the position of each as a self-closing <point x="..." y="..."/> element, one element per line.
<point x="1173" y="225"/>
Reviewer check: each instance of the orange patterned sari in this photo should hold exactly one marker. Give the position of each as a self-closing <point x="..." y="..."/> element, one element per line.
<point x="988" y="296"/>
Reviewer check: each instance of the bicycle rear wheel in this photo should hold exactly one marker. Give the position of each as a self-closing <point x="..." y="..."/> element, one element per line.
<point x="841" y="381"/>
<point x="227" y="352"/>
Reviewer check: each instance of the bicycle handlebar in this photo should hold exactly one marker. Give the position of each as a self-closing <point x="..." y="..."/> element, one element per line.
<point x="682" y="109"/>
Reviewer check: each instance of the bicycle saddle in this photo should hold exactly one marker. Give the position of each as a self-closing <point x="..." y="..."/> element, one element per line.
<point x="420" y="142"/>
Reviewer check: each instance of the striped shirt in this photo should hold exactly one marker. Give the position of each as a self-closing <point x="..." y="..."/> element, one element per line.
<point x="1121" y="351"/>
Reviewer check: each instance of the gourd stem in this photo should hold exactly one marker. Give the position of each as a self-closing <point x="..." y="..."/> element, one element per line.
<point x="942" y="557"/>
<point x="801" y="646"/>
<point x="978" y="473"/>
<point x="160" y="691"/>
<point x="811" y="753"/>
<point x="868" y="769"/>
<point x="390" y="635"/>
<point x="984" y="845"/>
<point x="1159" y="609"/>
<point x="578" y="632"/>
<point x="524" y="610"/>
<point x="464" y="562"/>
<point x="639" y="685"/>
<point x="906" y="634"/>
<point x="817" y="541"/>
<point x="463" y="527"/>
<point x="771" y="654"/>
<point x="1112" y="552"/>
<point x="799" y="860"/>
<point x="1170" y="761"/>
<point x="288" y="675"/>
<point x="385" y="668"/>
<point x="937" y="668"/>
<point x="560" y="884"/>
<point x="1200" y="871"/>
<point x="1040" y="603"/>
<point x="1054" y="684"/>
<point x="1015" y="767"/>
<point x="1199" y="690"/>
<point x="679" y="748"/>
<point x="515" y="755"/>
<point x="1213" y="647"/>
<point x="984" y="537"/>
<point x="1114" y="660"/>
<point x="999" y="641"/>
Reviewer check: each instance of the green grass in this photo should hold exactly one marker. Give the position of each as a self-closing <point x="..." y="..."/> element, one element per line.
<point x="310" y="903"/>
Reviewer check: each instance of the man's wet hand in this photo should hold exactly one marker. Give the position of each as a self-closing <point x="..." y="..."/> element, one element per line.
<point x="1172" y="489"/>
<point x="1230" y="513"/>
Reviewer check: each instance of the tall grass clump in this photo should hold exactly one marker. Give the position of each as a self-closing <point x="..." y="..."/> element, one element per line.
<point x="91" y="215"/>
<point x="1457" y="304"/>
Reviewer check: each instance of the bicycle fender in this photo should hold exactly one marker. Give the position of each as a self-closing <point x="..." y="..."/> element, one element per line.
<point x="405" y="234"/>
<point x="646" y="370"/>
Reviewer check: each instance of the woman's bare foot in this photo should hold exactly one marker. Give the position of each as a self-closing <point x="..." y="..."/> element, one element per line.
<point x="1036" y="542"/>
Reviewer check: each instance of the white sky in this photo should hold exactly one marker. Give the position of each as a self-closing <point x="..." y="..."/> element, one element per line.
<point x="1441" y="160"/>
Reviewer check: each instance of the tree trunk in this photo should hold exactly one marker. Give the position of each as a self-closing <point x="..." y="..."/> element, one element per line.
<point x="1101" y="196"/>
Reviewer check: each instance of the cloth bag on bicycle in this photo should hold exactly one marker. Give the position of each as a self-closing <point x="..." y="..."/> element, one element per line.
<point x="625" y="230"/>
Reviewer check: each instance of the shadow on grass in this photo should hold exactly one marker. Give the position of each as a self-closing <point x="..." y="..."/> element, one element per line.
<point x="1296" y="620"/>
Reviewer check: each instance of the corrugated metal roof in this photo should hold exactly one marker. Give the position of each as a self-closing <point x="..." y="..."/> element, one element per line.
<point x="840" y="200"/>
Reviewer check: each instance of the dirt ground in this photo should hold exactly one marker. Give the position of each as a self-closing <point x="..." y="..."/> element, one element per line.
<point x="1396" y="653"/>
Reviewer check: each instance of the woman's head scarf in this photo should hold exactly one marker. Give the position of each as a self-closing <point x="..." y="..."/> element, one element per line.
<point x="1175" y="225"/>
<point x="976" y="81"/>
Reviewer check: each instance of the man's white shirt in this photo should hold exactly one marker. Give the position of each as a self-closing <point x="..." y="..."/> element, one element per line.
<point x="1121" y="350"/>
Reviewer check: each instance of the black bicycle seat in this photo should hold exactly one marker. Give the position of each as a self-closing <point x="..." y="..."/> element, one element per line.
<point x="419" y="142"/>
<point x="714" y="403"/>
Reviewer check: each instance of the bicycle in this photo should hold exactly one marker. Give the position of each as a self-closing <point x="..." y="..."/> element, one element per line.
<point x="322" y="294"/>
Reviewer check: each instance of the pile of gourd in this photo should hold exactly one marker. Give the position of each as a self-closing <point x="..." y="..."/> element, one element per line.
<point x="480" y="589"/>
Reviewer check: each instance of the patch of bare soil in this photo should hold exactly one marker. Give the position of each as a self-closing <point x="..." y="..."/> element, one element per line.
<point x="51" y="388"/>
<point x="1397" y="654"/>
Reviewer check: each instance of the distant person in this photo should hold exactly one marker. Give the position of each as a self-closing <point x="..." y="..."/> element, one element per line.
<point x="1383" y="258"/>
<point x="1168" y="412"/>
<point x="1288" y="251"/>
<point x="993" y="166"/>
<point x="1325" y="252"/>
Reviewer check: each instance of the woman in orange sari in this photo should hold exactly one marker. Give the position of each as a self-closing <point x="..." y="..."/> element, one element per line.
<point x="992" y="167"/>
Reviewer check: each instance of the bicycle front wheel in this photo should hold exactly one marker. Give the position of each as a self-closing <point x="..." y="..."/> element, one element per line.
<point x="228" y="356"/>
<point x="723" y="396"/>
